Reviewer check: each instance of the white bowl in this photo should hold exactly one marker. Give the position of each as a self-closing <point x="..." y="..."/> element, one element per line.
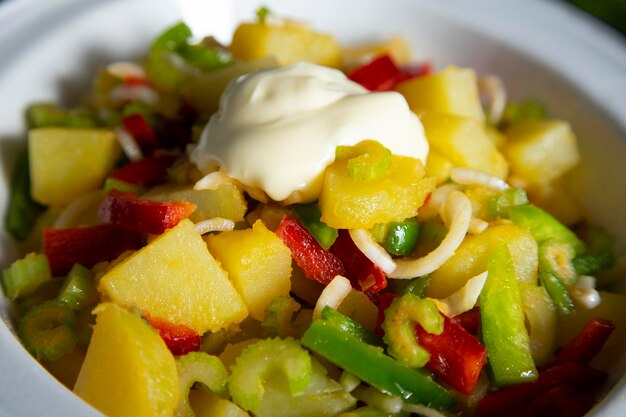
<point x="543" y="50"/>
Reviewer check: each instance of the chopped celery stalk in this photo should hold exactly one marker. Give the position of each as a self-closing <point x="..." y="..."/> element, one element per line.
<point x="526" y="110"/>
<point x="371" y="365"/>
<point x="402" y="237"/>
<point x="498" y="205"/>
<point x="23" y="210"/>
<point x="556" y="258"/>
<point x="278" y="316"/>
<point x="46" y="291"/>
<point x="77" y="287"/>
<point x="115" y="184"/>
<point x="309" y="216"/>
<point x="503" y="327"/>
<point x="46" y="330"/>
<point x="262" y="359"/>
<point x="417" y="286"/>
<point x="205" y="57"/>
<point x="355" y="329"/>
<point x="367" y="160"/>
<point x="557" y="292"/>
<point x="200" y="367"/>
<point x="164" y="73"/>
<point x="25" y="275"/>
<point x="399" y="325"/>
<point x="172" y="39"/>
<point x="83" y="328"/>
<point x="591" y="263"/>
<point x="543" y="226"/>
<point x="45" y="115"/>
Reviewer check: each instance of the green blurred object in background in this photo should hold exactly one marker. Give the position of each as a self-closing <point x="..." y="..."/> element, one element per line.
<point x="612" y="12"/>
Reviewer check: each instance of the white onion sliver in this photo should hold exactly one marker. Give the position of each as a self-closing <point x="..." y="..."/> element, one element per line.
<point x="129" y="145"/>
<point x="372" y="250"/>
<point x="77" y="207"/>
<point x="127" y="69"/>
<point x="431" y="209"/>
<point x="586" y="281"/>
<point x="332" y="295"/>
<point x="123" y="93"/>
<point x="216" y="224"/>
<point x="468" y="176"/>
<point x="477" y="226"/>
<point x="349" y="381"/>
<point x="458" y="210"/>
<point x="493" y="88"/>
<point x="463" y="299"/>
<point x="422" y="410"/>
<point x="212" y="181"/>
<point x="587" y="298"/>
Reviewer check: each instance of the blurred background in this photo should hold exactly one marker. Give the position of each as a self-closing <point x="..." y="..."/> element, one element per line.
<point x="613" y="12"/>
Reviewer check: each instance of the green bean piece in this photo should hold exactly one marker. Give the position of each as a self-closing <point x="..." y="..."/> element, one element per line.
<point x="47" y="330"/>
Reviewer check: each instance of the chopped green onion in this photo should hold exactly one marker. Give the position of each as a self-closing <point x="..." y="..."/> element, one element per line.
<point x="25" y="275"/>
<point x="23" y="210"/>
<point x="309" y="216"/>
<point x="198" y="367"/>
<point x="77" y="287"/>
<point x="46" y="330"/>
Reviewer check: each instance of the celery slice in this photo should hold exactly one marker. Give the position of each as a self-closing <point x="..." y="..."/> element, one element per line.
<point x="200" y="367"/>
<point x="77" y="287"/>
<point x="25" y="275"/>
<point x="47" y="330"/>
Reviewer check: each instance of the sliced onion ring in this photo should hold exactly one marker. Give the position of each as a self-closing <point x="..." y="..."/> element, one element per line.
<point x="458" y="211"/>
<point x="216" y="224"/>
<point x="468" y="176"/>
<point x="464" y="299"/>
<point x="333" y="294"/>
<point x="372" y="250"/>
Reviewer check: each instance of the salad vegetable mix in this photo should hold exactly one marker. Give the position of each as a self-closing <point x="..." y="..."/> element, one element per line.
<point x="289" y="227"/>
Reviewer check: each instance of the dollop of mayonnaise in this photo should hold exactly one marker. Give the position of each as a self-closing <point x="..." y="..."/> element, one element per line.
<point x="277" y="130"/>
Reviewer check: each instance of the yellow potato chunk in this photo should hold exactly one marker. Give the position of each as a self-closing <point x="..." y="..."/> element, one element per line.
<point x="175" y="278"/>
<point x="349" y="203"/>
<point x="128" y="370"/>
<point x="438" y="166"/>
<point x="452" y="90"/>
<point x="288" y="43"/>
<point x="396" y="47"/>
<point x="226" y="201"/>
<point x="470" y="259"/>
<point x="540" y="151"/>
<point x="66" y="163"/>
<point x="258" y="264"/>
<point x="464" y="141"/>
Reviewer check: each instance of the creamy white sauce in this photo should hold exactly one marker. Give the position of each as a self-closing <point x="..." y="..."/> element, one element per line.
<point x="277" y="129"/>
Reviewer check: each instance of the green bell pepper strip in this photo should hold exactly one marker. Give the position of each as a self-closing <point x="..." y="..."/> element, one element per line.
<point x="557" y="292"/>
<point x="25" y="276"/>
<point x="22" y="210"/>
<point x="367" y="160"/>
<point x="205" y="57"/>
<point x="77" y="287"/>
<point x="203" y="368"/>
<point x="503" y="329"/>
<point x="417" y="286"/>
<point x="354" y="328"/>
<point x="543" y="226"/>
<point x="402" y="237"/>
<point x="399" y="326"/>
<point x="265" y="357"/>
<point x="309" y="216"/>
<point x="47" y="330"/>
<point x="341" y="346"/>
<point x="172" y="39"/>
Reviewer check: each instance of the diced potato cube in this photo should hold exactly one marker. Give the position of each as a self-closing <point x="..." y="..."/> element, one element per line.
<point x="226" y="201"/>
<point x="288" y="42"/>
<point x="540" y="151"/>
<point x="258" y="264"/>
<point x="349" y="203"/>
<point x="438" y="166"/>
<point x="463" y="141"/>
<point x="453" y="90"/>
<point x="470" y="259"/>
<point x="128" y="370"/>
<point x="396" y="47"/>
<point x="175" y="278"/>
<point x="66" y="163"/>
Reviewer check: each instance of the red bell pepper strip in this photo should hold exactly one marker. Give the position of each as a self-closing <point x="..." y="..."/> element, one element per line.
<point x="561" y="401"/>
<point x="139" y="128"/>
<point x="146" y="172"/>
<point x="128" y="211"/>
<point x="456" y="356"/>
<point x="470" y="320"/>
<point x="515" y="397"/>
<point x="318" y="264"/>
<point x="380" y="74"/>
<point x="178" y="338"/>
<point x="86" y="246"/>
<point x="587" y="344"/>
<point x="414" y="71"/>
<point x="363" y="273"/>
